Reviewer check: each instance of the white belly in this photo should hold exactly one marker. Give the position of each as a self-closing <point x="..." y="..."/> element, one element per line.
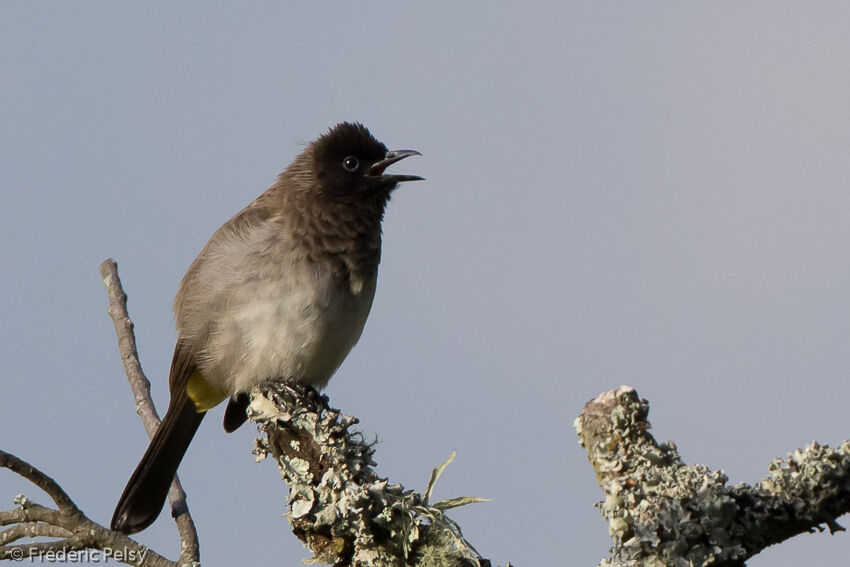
<point x="298" y="327"/>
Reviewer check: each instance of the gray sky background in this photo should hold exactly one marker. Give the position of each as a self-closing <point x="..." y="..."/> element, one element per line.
<point x="645" y="193"/>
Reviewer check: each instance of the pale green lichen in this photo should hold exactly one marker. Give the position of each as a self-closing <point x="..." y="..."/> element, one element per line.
<point x="338" y="505"/>
<point x="663" y="512"/>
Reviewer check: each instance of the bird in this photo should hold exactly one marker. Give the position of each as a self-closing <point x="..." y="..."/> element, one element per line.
<point x="280" y="291"/>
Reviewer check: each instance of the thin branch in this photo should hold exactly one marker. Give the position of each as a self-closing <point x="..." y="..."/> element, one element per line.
<point x="41" y="480"/>
<point x="78" y="534"/>
<point x="661" y="511"/>
<point x="32" y="530"/>
<point x="139" y="383"/>
<point x="141" y="387"/>
<point x="29" y="511"/>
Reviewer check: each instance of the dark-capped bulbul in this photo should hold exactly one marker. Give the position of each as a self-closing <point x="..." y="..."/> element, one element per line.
<point x="281" y="291"/>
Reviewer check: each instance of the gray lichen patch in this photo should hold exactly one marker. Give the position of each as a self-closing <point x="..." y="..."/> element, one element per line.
<point x="338" y="505"/>
<point x="661" y="511"/>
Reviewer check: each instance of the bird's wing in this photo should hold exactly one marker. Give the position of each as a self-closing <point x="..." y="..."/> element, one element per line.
<point x="182" y="368"/>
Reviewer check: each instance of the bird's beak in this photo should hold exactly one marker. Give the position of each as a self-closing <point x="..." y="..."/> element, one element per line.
<point x="377" y="169"/>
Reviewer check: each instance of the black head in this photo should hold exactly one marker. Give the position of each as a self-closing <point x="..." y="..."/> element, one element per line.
<point x="349" y="161"/>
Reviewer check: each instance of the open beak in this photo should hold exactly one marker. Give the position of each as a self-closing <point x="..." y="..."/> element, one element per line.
<point x="393" y="156"/>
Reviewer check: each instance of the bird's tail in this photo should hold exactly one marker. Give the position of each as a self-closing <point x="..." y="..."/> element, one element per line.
<point x="145" y="493"/>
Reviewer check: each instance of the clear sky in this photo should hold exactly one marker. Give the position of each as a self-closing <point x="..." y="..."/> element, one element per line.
<point x="649" y="193"/>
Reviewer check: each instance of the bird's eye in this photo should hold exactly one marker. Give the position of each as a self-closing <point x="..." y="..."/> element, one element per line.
<point x="351" y="163"/>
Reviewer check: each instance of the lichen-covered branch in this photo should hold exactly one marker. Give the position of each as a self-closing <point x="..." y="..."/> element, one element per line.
<point x="338" y="505"/>
<point x="662" y="512"/>
<point x="76" y="533"/>
<point x="141" y="387"/>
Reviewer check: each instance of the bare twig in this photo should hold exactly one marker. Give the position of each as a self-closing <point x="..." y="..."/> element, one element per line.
<point x="139" y="383"/>
<point x="78" y="535"/>
<point x="141" y="387"/>
<point x="41" y="480"/>
<point x="663" y="512"/>
<point x="32" y="530"/>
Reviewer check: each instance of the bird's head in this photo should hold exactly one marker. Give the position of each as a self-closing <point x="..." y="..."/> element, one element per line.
<point x="348" y="161"/>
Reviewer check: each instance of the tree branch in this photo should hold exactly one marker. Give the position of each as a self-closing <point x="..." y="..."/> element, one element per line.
<point x="338" y="505"/>
<point x="77" y="532"/>
<point x="141" y="387"/>
<point x="41" y="480"/>
<point x="663" y="512"/>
